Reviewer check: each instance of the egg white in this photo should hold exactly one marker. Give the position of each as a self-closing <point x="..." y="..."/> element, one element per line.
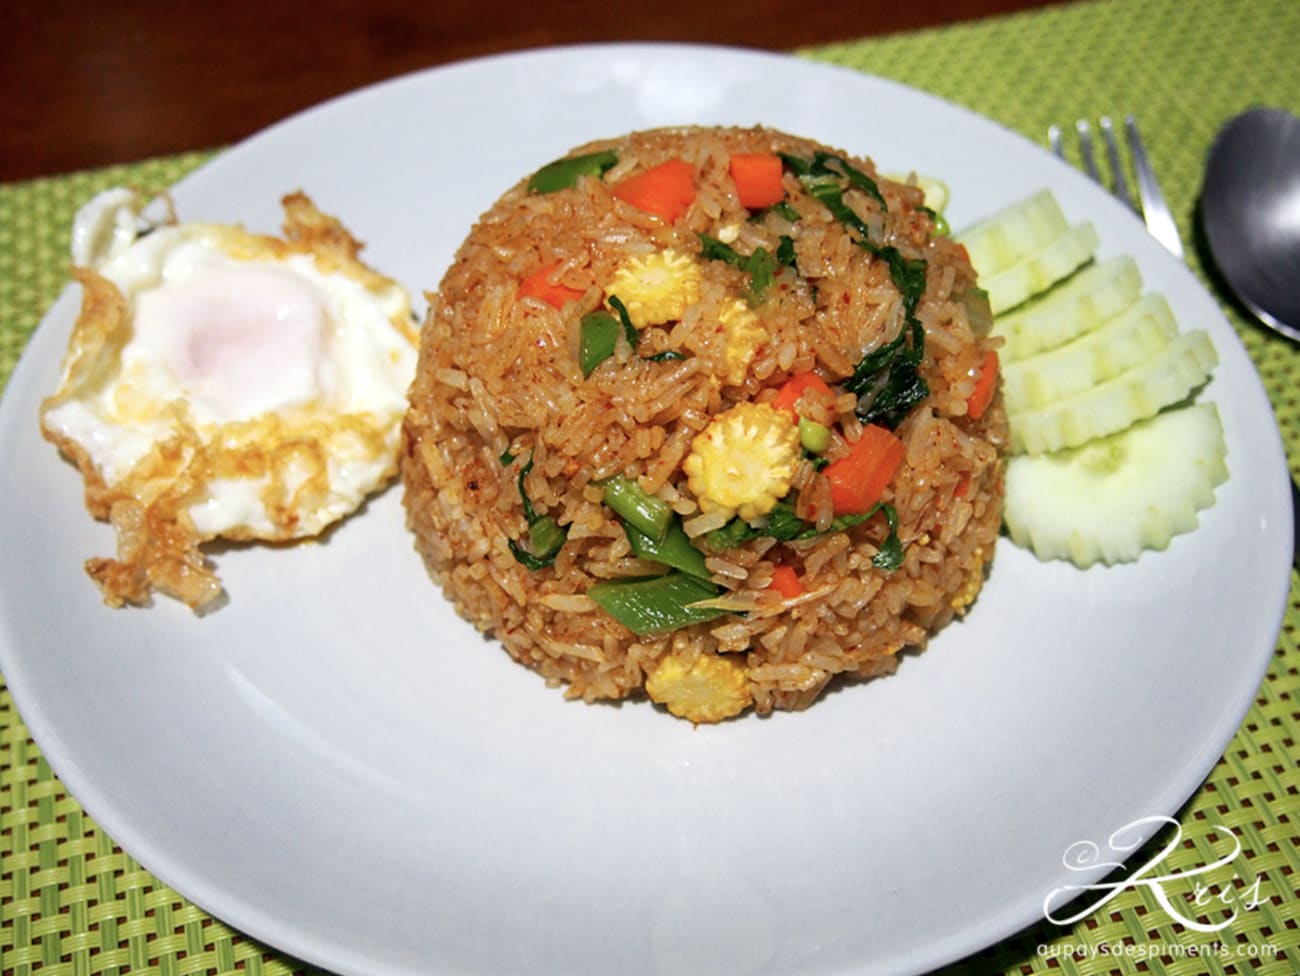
<point x="224" y="384"/>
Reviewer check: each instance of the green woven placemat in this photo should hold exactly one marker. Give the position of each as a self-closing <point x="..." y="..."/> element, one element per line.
<point x="71" y="902"/>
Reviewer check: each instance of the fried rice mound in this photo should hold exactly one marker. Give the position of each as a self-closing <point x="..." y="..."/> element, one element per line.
<point x="672" y="322"/>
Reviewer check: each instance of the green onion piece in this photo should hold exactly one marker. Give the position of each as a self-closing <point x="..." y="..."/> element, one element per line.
<point x="644" y="512"/>
<point x="528" y="560"/>
<point x="785" y="526"/>
<point x="564" y="173"/>
<point x="735" y="533"/>
<point x="668" y="355"/>
<point x="814" y="437"/>
<point x="597" y="336"/>
<point x="656" y="604"/>
<point x="675" y="551"/>
<point x="545" y="537"/>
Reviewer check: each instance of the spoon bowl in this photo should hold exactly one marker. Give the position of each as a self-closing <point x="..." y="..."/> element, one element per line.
<point x="1250" y="208"/>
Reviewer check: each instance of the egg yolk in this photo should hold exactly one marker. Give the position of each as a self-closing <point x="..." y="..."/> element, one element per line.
<point x="237" y="341"/>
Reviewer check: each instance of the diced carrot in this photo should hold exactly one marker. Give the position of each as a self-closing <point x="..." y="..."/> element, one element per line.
<point x="860" y="477"/>
<point x="665" y="190"/>
<point x="539" y="285"/>
<point x="786" y="581"/>
<point x="796" y="386"/>
<point x="985" y="386"/>
<point x="758" y="179"/>
<point x="962" y="488"/>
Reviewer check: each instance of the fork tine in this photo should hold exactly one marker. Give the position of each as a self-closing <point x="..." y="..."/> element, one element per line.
<point x="1085" y="148"/>
<point x="1054" y="140"/>
<point x="1120" y="182"/>
<point x="1154" y="208"/>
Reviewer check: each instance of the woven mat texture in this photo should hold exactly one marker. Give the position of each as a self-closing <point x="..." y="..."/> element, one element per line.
<point x="72" y="902"/>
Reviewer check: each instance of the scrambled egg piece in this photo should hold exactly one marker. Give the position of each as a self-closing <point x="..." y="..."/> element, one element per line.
<point x="744" y="336"/>
<point x="656" y="288"/>
<point x="744" y="461"/>
<point x="708" y="690"/>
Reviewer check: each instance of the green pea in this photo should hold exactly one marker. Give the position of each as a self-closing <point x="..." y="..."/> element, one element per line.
<point x="814" y="437"/>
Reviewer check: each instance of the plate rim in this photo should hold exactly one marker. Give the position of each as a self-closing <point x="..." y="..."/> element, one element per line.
<point x="1014" y="917"/>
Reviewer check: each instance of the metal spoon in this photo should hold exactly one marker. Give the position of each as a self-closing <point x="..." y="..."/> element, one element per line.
<point x="1250" y="208"/>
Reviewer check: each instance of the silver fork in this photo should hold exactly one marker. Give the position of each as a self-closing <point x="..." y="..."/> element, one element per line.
<point x="1150" y="204"/>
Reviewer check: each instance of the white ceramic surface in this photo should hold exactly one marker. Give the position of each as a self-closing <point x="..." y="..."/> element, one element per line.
<point x="337" y="765"/>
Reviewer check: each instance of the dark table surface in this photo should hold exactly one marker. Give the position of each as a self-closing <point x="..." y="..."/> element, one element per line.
<point x="86" y="84"/>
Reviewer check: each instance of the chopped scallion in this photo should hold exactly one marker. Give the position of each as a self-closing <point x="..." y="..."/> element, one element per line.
<point x="656" y="604"/>
<point x="675" y="551"/>
<point x="645" y="512"/>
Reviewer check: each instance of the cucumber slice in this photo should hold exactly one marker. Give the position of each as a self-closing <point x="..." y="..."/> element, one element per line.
<point x="1013" y="286"/>
<point x="1076" y="306"/>
<point x="1125" y="341"/>
<point x="1014" y="234"/>
<point x="1137" y="393"/>
<point x="1110" y="499"/>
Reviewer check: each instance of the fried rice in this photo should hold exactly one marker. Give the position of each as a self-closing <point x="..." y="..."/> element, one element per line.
<point x="511" y="423"/>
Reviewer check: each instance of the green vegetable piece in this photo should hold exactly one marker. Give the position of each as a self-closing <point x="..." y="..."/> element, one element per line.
<point x="735" y="533"/>
<point x="675" y="551"/>
<point x="597" y="336"/>
<point x="667" y="356"/>
<point x="786" y="210"/>
<point x="629" y="330"/>
<point x="649" y="515"/>
<point x="887" y="380"/>
<point x="564" y="173"/>
<point x="656" y="604"/>
<point x="760" y="265"/>
<point x="830" y="192"/>
<point x="940" y="221"/>
<point x="529" y="561"/>
<point x="530" y="514"/>
<point x="785" y="255"/>
<point x="814" y="437"/>
<point x="890" y="555"/>
<point x="545" y="537"/>
<point x="785" y="526"/>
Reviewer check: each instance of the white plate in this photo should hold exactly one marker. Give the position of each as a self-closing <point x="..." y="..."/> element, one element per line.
<point x="337" y="765"/>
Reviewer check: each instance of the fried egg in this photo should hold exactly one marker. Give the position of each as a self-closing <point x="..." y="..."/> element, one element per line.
<point x="221" y="384"/>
